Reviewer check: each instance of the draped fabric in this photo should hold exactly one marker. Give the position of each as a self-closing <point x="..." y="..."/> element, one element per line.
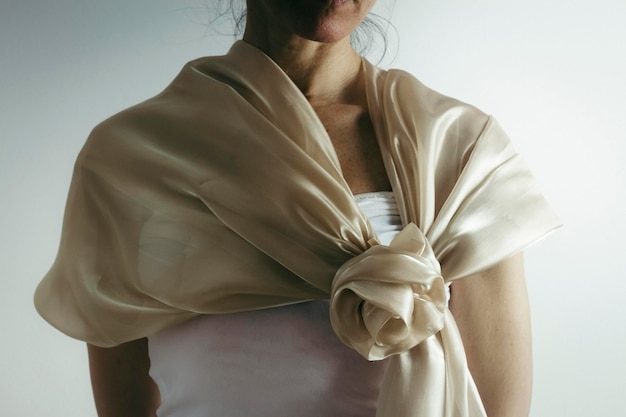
<point x="224" y="193"/>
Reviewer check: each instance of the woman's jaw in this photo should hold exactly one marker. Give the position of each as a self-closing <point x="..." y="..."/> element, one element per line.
<point x="323" y="21"/>
<point x="309" y="40"/>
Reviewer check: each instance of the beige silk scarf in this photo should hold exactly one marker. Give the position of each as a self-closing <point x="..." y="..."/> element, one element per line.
<point x="224" y="193"/>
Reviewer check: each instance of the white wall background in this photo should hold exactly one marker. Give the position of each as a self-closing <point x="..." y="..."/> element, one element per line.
<point x="553" y="73"/>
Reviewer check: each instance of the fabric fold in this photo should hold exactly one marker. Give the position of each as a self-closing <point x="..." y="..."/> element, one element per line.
<point x="224" y="193"/>
<point x="390" y="298"/>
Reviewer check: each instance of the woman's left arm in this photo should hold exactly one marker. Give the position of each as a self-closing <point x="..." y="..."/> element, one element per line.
<point x="492" y="312"/>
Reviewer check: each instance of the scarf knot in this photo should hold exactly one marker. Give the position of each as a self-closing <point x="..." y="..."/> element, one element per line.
<point x="390" y="298"/>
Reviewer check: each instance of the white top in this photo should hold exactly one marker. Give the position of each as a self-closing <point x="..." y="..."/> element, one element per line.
<point x="275" y="362"/>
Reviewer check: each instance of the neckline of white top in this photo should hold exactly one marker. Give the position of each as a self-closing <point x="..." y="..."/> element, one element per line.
<point x="374" y="195"/>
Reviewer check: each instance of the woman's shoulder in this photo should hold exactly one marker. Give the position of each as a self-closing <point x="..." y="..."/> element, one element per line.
<point x="132" y="144"/>
<point x="428" y="116"/>
<point x="191" y="99"/>
<point x="152" y="124"/>
<point x="119" y="137"/>
<point x="430" y="103"/>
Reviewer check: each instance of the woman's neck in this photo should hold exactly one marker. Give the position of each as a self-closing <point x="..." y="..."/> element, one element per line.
<point x="324" y="72"/>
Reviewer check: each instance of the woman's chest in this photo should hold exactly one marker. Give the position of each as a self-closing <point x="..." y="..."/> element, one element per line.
<point x="352" y="134"/>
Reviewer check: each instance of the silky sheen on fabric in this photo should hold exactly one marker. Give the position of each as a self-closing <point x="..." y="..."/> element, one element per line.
<point x="224" y="194"/>
<point x="261" y="363"/>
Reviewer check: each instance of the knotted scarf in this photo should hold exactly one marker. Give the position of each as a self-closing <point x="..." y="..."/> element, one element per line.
<point x="224" y="193"/>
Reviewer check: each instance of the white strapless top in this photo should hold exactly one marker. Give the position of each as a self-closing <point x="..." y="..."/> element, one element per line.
<point x="277" y="362"/>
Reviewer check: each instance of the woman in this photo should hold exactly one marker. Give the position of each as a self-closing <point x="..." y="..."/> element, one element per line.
<point x="234" y="191"/>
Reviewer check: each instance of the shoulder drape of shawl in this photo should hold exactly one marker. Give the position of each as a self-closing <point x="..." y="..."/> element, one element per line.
<point x="224" y="193"/>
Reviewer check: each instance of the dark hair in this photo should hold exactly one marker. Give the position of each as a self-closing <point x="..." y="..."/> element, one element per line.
<point x="234" y="11"/>
<point x="364" y="39"/>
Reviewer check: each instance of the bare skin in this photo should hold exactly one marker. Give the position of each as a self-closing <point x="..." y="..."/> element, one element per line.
<point x="493" y="315"/>
<point x="120" y="381"/>
<point x="491" y="308"/>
